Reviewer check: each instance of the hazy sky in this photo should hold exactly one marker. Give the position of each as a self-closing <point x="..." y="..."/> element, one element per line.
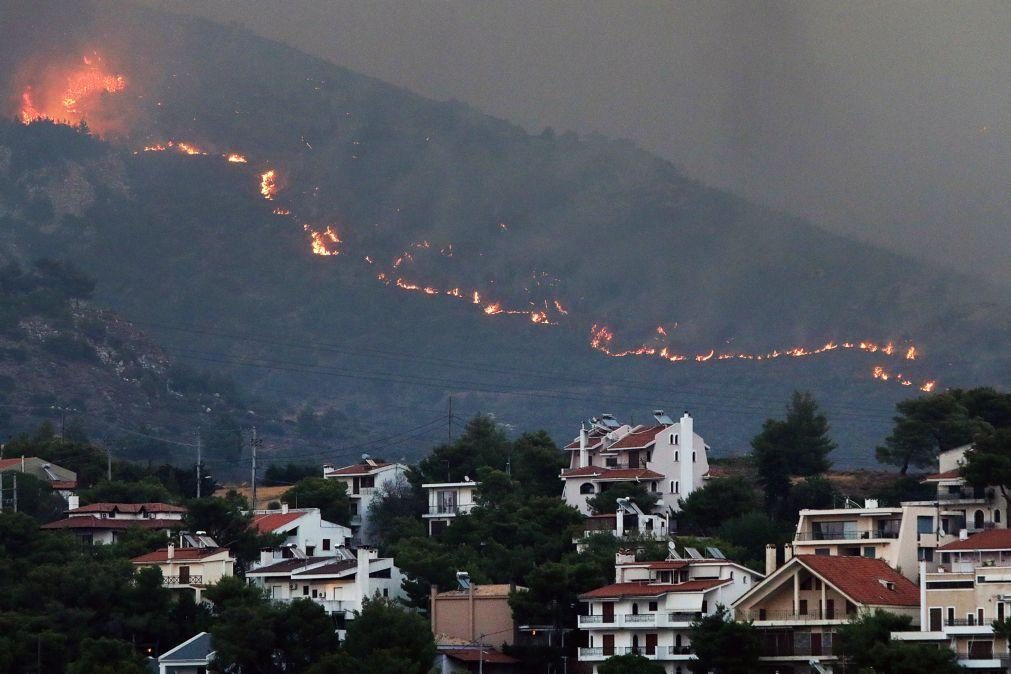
<point x="887" y="120"/>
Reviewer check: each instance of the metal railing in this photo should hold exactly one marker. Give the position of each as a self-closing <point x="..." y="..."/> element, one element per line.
<point x="183" y="580"/>
<point x="450" y="509"/>
<point x="1003" y="658"/>
<point x="865" y="535"/>
<point x="593" y="620"/>
<point x="676" y="650"/>
<point x="637" y="650"/>
<point x="812" y="615"/>
<point x="640" y="617"/>
<point x="593" y="652"/>
<point x="683" y="616"/>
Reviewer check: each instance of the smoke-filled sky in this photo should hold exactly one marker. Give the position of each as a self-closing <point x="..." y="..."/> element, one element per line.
<point x="888" y="121"/>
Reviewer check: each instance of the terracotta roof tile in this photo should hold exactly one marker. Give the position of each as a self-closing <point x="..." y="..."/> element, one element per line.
<point x="130" y="508"/>
<point x="990" y="539"/>
<point x="612" y="473"/>
<point x="105" y="523"/>
<point x="180" y="554"/>
<point x="641" y="437"/>
<point x="359" y="468"/>
<point x="501" y="590"/>
<point x="619" y="590"/>
<point x="266" y="524"/>
<point x="861" y="578"/>
<point x="490" y="656"/>
<point x="327" y="569"/>
<point x="946" y="475"/>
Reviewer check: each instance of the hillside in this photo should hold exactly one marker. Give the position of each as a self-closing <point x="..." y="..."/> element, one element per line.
<point x="564" y="239"/>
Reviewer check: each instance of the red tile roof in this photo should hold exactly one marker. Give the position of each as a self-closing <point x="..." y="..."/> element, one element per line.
<point x="11" y="463"/>
<point x="946" y="475"/>
<point x="100" y="523"/>
<point x="266" y="524"/>
<point x="130" y="508"/>
<point x="63" y="484"/>
<point x="180" y="554"/>
<point x="334" y="567"/>
<point x="990" y="539"/>
<point x="592" y="440"/>
<point x="359" y="468"/>
<point x="490" y="656"/>
<point x="860" y="578"/>
<point x="641" y="437"/>
<point x="619" y="590"/>
<point x="612" y="473"/>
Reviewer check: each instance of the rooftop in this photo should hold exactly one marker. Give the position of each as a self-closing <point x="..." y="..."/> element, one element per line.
<point x="92" y="522"/>
<point x="619" y="590"/>
<point x="129" y="508"/>
<point x="266" y="524"/>
<point x="988" y="539"/>
<point x="490" y="655"/>
<point x="369" y="466"/>
<point x="179" y="555"/>
<point x="643" y="436"/>
<point x="479" y="591"/>
<point x="865" y="580"/>
<point x="612" y="473"/>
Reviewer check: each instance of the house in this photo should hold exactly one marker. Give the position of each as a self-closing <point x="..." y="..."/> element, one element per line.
<point x="189" y="569"/>
<point x="193" y="656"/>
<point x="627" y="521"/>
<point x="964" y="506"/>
<point x="473" y="614"/>
<point x="960" y="599"/>
<point x="363" y="482"/>
<point x="340" y="583"/>
<point x="667" y="458"/>
<point x="104" y="523"/>
<point x="306" y="533"/>
<point x="62" y="480"/>
<point x="649" y="608"/>
<point x="799" y="606"/>
<point x="446" y="500"/>
<point x="463" y="658"/>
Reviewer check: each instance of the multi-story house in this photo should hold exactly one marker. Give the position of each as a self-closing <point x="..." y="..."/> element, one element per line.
<point x="189" y="569"/>
<point x="627" y="521"/>
<point x="650" y="607"/>
<point x="306" y="533"/>
<point x="668" y="458"/>
<point x="340" y="584"/>
<point x="104" y="523"/>
<point x="799" y="607"/>
<point x="446" y="500"/>
<point x="969" y="589"/>
<point x="961" y="505"/>
<point x="363" y="480"/>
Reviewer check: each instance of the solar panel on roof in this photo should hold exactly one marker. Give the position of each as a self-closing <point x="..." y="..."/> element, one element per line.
<point x="693" y="553"/>
<point x="672" y="551"/>
<point x="715" y="553"/>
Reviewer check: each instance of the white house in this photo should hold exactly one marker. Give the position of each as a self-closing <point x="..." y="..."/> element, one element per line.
<point x="446" y="500"/>
<point x="649" y="608"/>
<point x="628" y="521"/>
<point x="193" y="656"/>
<point x="340" y="584"/>
<point x="667" y="458"/>
<point x="363" y="480"/>
<point x="104" y="523"/>
<point x="189" y="569"/>
<point x="306" y="533"/>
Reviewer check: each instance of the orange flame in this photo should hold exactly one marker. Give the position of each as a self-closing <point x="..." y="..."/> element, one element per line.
<point x="323" y="243"/>
<point x="268" y="184"/>
<point x="236" y="158"/>
<point x="911" y="353"/>
<point x="69" y="101"/>
<point x="928" y="386"/>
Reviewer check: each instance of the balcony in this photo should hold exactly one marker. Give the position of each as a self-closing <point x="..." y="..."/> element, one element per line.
<point x="594" y="653"/>
<point x="866" y="535"/>
<point x="183" y="581"/>
<point x="594" y="621"/>
<point x="676" y="652"/>
<point x="682" y="617"/>
<point x="814" y="615"/>
<point x="449" y="509"/>
<point x="363" y="492"/>
<point x="648" y="653"/>
<point x="639" y="619"/>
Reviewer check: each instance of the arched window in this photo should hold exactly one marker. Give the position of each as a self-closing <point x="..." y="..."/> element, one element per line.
<point x="635" y="608"/>
<point x="586" y="488"/>
<point x="693" y="457"/>
<point x="996" y="516"/>
<point x="672" y="489"/>
<point x="978" y="519"/>
<point x="675" y="437"/>
<point x="676" y="456"/>
<point x="677" y="486"/>
<point x="677" y="641"/>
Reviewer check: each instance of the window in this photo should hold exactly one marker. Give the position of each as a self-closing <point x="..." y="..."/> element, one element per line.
<point x="652" y="487"/>
<point x="305" y="590"/>
<point x="980" y="616"/>
<point x="635" y="608"/>
<point x="310" y="550"/>
<point x="869" y="551"/>
<point x="705" y="606"/>
<point x="1000" y="610"/>
<point x="315" y="593"/>
<point x="925" y="554"/>
<point x="586" y="488"/>
<point x="693" y="457"/>
<point x="674" y="438"/>
<point x="677" y="486"/>
<point x="996" y="516"/>
<point x="326" y="543"/>
<point x="676" y="459"/>
<point x="653" y="606"/>
<point x="951" y="615"/>
<point x="386" y="592"/>
<point x="822" y="552"/>
<point x="672" y="490"/>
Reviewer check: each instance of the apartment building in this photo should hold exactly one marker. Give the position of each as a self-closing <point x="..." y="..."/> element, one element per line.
<point x="446" y="500"/>
<point x="362" y="481"/>
<point x="800" y="605"/>
<point x="306" y="533"/>
<point x="104" y="523"/>
<point x="339" y="583"/>
<point x="190" y="569"/>
<point x="959" y="600"/>
<point x="666" y="457"/>
<point x="650" y="607"/>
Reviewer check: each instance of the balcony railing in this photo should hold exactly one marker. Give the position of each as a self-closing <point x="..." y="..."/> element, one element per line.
<point x="811" y="616"/>
<point x="676" y="650"/>
<point x="183" y="580"/>
<point x="594" y="620"/>
<point x="585" y="653"/>
<point x="363" y="491"/>
<point x="450" y="509"/>
<point x="1003" y="658"/>
<point x="649" y="618"/>
<point x="846" y="535"/>
<point x="637" y="650"/>
<point x="683" y="617"/>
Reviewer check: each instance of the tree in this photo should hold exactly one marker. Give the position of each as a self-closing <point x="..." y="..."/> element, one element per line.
<point x="815" y="492"/>
<point x="330" y="496"/>
<point x="989" y="461"/>
<point x="802" y="437"/>
<point x="222" y="438"/>
<point x="632" y="663"/>
<point x="1002" y="630"/>
<point x="536" y="464"/>
<point x="395" y="509"/>
<point x="226" y="522"/>
<point x="752" y="532"/>
<point x="606" y="501"/>
<point x="304" y="632"/>
<point x="723" y="645"/>
<point x="718" y="501"/>
<point x="855" y="640"/>
<point x="148" y="490"/>
<point x="35" y="497"/>
<point x="107" y="656"/>
<point x="482" y="443"/>
<point x="925" y="426"/>
<point x="385" y="632"/>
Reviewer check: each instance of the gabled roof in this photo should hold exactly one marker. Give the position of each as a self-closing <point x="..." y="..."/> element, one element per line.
<point x="360" y="468"/>
<point x="863" y="579"/>
<point x="619" y="590"/>
<point x="946" y="475"/>
<point x="180" y="554"/>
<point x="643" y="436"/>
<point x="488" y="591"/>
<point x="593" y="439"/>
<point x="92" y="522"/>
<point x="266" y="524"/>
<point x="490" y="655"/>
<point x="129" y="508"/>
<point x="989" y="539"/>
<point x="287" y="566"/>
<point x="612" y="473"/>
<point x="197" y="648"/>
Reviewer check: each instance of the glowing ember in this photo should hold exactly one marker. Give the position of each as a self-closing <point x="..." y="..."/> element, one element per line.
<point x="268" y="184"/>
<point x="236" y="158"/>
<point x="928" y="386"/>
<point x="282" y="211"/>
<point x="323" y="243"/>
<point x="561" y="309"/>
<point x="492" y="309"/>
<point x="911" y="353"/>
<point x="70" y="96"/>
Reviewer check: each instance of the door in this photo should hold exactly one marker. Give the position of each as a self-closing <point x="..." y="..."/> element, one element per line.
<point x="650" y="644"/>
<point x="816" y="643"/>
<point x="184" y="575"/>
<point x="609" y="614"/>
<point x="830" y="608"/>
<point x="609" y="644"/>
<point x="935" y="619"/>
<point x="633" y="458"/>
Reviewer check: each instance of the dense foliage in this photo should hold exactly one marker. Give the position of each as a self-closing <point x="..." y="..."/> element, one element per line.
<point x="723" y="645"/>
<point x="865" y="645"/>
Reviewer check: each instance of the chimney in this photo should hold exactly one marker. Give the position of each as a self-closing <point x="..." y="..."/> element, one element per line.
<point x="362" y="579"/>
<point x="870" y="503"/>
<point x="963" y="534"/>
<point x="770" y="558"/>
<point x="432" y="608"/>
<point x="787" y="552"/>
<point x="284" y="508"/>
<point x="327" y="467"/>
<point x="583" y="456"/>
<point x="170" y="552"/>
<point x="686" y="433"/>
<point x="73" y="502"/>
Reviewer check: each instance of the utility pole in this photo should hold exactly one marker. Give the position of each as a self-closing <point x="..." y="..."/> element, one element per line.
<point x="252" y="483"/>
<point x="449" y="426"/>
<point x="108" y="463"/>
<point x="15" y="492"/>
<point x="1" y="491"/>
<point x="199" y="448"/>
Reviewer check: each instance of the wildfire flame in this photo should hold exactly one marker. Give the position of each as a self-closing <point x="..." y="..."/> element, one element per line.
<point x="236" y="158"/>
<point x="70" y="96"/>
<point x="323" y="243"/>
<point x="268" y="184"/>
